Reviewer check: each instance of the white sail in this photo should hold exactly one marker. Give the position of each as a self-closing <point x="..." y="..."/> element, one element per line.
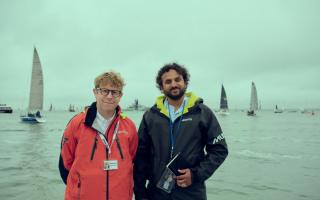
<point x="36" y="88"/>
<point x="36" y="93"/>
<point x="254" y="98"/>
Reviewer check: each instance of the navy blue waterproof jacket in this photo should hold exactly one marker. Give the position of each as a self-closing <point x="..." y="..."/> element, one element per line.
<point x="200" y="140"/>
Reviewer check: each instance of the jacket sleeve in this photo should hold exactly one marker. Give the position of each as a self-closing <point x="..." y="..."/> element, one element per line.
<point x="142" y="162"/>
<point x="68" y="147"/>
<point x="133" y="145"/>
<point x="216" y="147"/>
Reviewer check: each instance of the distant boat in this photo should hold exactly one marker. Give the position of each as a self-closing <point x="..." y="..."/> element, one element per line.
<point x="36" y="93"/>
<point x="253" y="101"/>
<point x="303" y="110"/>
<point x="71" y="108"/>
<point x="136" y="106"/>
<point x="5" y="108"/>
<point x="278" y="110"/>
<point x="223" y="103"/>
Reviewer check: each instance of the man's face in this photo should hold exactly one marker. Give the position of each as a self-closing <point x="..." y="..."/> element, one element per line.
<point x="173" y="85"/>
<point x="107" y="97"/>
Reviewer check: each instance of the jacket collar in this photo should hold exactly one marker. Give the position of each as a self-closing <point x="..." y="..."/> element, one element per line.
<point x="193" y="100"/>
<point x="92" y="113"/>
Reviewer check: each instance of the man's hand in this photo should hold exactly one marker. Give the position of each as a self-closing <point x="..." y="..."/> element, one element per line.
<point x="184" y="180"/>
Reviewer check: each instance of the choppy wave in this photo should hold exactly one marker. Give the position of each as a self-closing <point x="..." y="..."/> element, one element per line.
<point x="13" y="130"/>
<point x="265" y="155"/>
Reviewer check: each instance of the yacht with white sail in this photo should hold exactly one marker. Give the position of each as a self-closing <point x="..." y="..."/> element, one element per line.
<point x="33" y="114"/>
<point x="253" y="101"/>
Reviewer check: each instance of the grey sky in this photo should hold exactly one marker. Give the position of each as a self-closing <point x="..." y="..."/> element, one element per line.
<point x="275" y="43"/>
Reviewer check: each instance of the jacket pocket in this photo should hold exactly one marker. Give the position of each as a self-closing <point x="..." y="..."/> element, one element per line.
<point x="76" y="191"/>
<point x="79" y="186"/>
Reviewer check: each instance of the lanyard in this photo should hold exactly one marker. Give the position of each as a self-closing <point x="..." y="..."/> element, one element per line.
<point x="172" y="138"/>
<point x="105" y="141"/>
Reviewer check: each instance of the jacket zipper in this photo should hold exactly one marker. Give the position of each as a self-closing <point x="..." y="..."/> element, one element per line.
<point x="119" y="147"/>
<point x="107" y="178"/>
<point x="107" y="152"/>
<point x="94" y="146"/>
<point x="107" y="156"/>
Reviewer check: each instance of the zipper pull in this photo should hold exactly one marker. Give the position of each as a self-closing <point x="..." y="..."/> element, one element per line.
<point x="93" y="148"/>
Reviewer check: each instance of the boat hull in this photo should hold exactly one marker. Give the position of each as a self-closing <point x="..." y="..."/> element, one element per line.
<point x="32" y="118"/>
<point x="278" y="111"/>
<point x="5" y="111"/>
<point x="251" y="113"/>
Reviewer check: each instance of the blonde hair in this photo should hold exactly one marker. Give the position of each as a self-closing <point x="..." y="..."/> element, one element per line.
<point x="112" y="78"/>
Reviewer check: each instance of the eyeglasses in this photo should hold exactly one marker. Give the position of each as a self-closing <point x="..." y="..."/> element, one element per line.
<point x="105" y="92"/>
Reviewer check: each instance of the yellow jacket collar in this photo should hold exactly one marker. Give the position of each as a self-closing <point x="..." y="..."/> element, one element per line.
<point x="191" y="102"/>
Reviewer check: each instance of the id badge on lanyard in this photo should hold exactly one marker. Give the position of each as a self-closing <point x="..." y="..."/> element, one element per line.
<point x="110" y="164"/>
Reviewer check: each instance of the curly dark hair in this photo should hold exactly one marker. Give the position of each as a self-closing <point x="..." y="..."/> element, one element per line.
<point x="178" y="68"/>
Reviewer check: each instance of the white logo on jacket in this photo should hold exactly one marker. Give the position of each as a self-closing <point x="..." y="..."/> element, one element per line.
<point x="186" y="119"/>
<point x="218" y="138"/>
<point x="123" y="132"/>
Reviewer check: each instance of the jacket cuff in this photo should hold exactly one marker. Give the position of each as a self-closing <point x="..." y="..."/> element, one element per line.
<point x="194" y="175"/>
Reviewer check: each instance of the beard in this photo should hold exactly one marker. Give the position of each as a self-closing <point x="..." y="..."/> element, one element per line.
<point x="175" y="96"/>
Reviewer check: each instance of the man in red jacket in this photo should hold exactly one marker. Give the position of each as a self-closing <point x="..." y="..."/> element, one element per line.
<point x="98" y="147"/>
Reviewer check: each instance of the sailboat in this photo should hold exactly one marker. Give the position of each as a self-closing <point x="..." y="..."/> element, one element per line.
<point x="253" y="101"/>
<point x="5" y="108"/>
<point x="278" y="110"/>
<point x="36" y="93"/>
<point x="223" y="103"/>
<point x="71" y="108"/>
<point x="136" y="106"/>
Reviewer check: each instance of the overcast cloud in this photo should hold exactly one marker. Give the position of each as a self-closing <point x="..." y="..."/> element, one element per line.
<point x="275" y="43"/>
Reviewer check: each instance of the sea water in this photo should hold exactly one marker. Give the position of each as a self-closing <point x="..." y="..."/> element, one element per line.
<point x="272" y="156"/>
